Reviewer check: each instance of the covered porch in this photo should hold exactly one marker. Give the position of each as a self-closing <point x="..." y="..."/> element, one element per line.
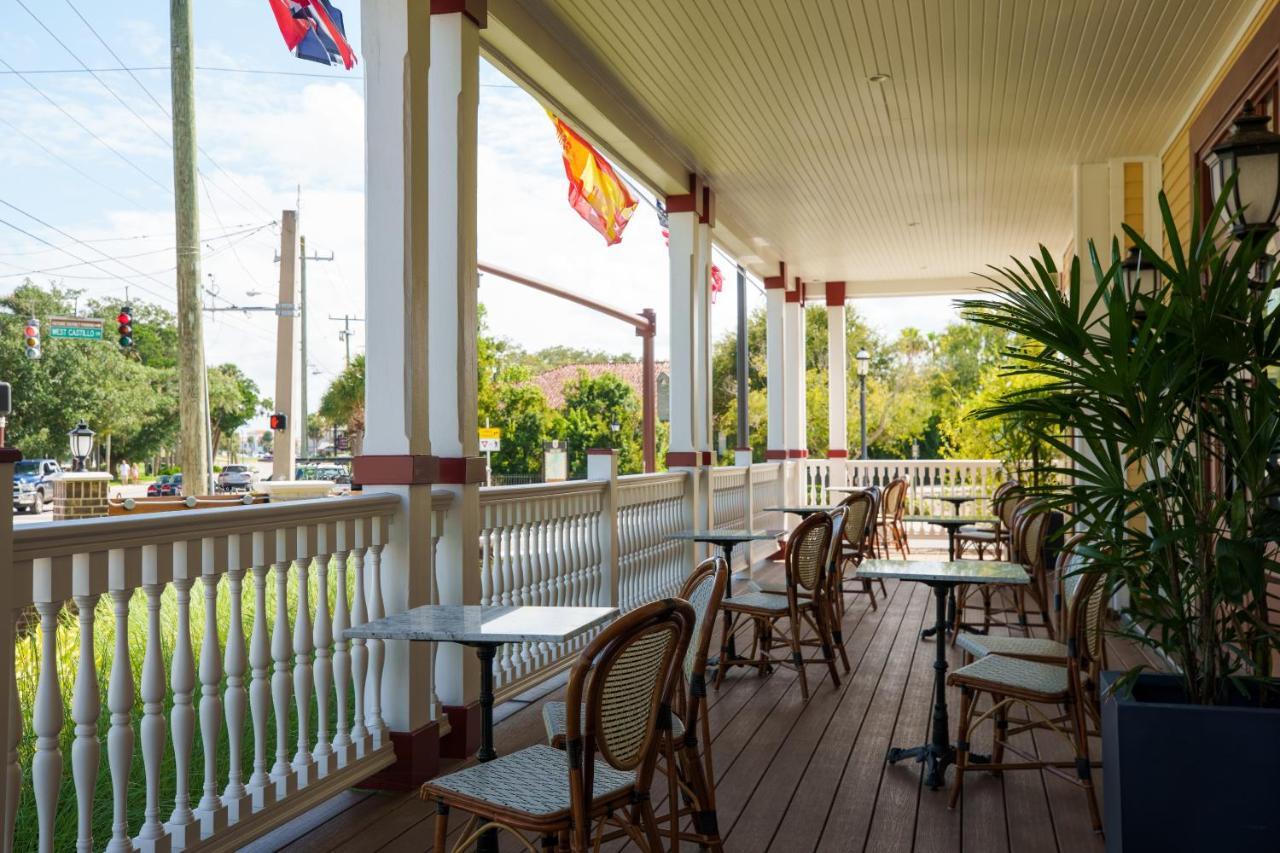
<point x="836" y="154"/>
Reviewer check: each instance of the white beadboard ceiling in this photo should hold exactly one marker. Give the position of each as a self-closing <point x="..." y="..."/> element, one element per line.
<point x="972" y="137"/>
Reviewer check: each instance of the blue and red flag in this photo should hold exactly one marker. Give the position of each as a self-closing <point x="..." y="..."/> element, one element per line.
<point x="313" y="30"/>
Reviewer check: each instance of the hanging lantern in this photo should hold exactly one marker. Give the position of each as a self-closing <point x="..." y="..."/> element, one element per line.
<point x="1252" y="154"/>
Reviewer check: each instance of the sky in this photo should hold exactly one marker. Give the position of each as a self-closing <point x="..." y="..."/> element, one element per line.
<point x="86" y="177"/>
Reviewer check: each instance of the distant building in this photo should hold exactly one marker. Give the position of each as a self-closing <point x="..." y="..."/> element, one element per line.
<point x="553" y="382"/>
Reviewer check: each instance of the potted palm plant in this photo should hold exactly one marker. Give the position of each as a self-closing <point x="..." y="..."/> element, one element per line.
<point x="1167" y="464"/>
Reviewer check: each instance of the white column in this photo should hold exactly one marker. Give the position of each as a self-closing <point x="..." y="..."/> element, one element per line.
<point x="395" y="37"/>
<point x="703" y="428"/>
<point x="683" y="443"/>
<point x="797" y="443"/>
<point x="454" y="102"/>
<point x="837" y="385"/>
<point x="775" y="365"/>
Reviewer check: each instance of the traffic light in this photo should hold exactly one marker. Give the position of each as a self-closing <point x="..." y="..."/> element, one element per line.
<point x="125" y="319"/>
<point x="31" y="336"/>
<point x="279" y="421"/>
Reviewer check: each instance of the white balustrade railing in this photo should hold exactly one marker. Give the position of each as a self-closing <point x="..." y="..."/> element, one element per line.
<point x="729" y="497"/>
<point x="928" y="481"/>
<point x="650" y="508"/>
<point x="768" y="489"/>
<point x="229" y="620"/>
<point x="541" y="545"/>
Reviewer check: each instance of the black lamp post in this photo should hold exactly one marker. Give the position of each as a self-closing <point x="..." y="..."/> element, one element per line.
<point x="864" y="366"/>
<point x="81" y="439"/>
<point x="1252" y="154"/>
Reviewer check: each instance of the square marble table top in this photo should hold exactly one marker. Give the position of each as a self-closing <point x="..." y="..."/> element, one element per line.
<point x="960" y="520"/>
<point x="473" y="623"/>
<point x="725" y="535"/>
<point x="953" y="571"/>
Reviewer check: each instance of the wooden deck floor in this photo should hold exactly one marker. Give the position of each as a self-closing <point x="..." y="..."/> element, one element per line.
<point x="793" y="776"/>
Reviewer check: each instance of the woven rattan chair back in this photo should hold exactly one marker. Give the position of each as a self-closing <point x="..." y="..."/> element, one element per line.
<point x="1030" y="528"/>
<point x="1005" y="500"/>
<point x="895" y="498"/>
<point x="859" y="510"/>
<point x="1086" y="614"/>
<point x="877" y="497"/>
<point x="839" y="517"/>
<point x="704" y="590"/>
<point x="621" y="688"/>
<point x="807" y="552"/>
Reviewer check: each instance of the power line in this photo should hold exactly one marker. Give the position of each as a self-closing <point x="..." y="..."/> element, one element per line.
<point x="64" y="161"/>
<point x="251" y="228"/>
<point x="85" y="128"/>
<point x="344" y="78"/>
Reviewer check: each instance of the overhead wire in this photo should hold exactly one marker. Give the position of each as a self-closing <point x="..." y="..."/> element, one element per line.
<point x="64" y="161"/>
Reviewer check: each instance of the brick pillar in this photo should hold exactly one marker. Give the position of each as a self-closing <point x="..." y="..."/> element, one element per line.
<point x="80" y="494"/>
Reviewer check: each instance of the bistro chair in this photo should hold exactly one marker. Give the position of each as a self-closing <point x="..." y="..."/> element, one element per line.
<point x="691" y="777"/>
<point x="992" y="536"/>
<point x="1028" y="532"/>
<point x="617" y="717"/>
<point x="895" y="532"/>
<point x="859" y="527"/>
<point x="1034" y="684"/>
<point x="805" y="602"/>
<point x="839" y="523"/>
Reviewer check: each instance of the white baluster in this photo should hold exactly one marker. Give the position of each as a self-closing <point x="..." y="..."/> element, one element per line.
<point x="373" y="681"/>
<point x="85" y="709"/>
<point x="182" y="822"/>
<point x="260" y="787"/>
<point x="359" y="656"/>
<point x="13" y="771"/>
<point x="341" y="656"/>
<point x="281" y="773"/>
<point x="152" y="832"/>
<point x="120" y="737"/>
<point x="322" y="672"/>
<point x="210" y="811"/>
<point x="46" y="763"/>
<point x="303" y="764"/>
<point x="235" y="797"/>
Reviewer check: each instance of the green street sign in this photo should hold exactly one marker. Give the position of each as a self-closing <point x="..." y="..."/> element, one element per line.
<point x="75" y="328"/>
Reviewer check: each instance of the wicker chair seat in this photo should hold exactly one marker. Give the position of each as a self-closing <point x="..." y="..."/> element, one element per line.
<point x="553" y="721"/>
<point x="994" y="672"/>
<point x="767" y="601"/>
<point x="533" y="781"/>
<point x="984" y="534"/>
<point x="776" y="588"/>
<point x="1021" y="647"/>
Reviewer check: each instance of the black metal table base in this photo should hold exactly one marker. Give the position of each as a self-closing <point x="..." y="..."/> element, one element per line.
<point x="488" y="841"/>
<point x="938" y="753"/>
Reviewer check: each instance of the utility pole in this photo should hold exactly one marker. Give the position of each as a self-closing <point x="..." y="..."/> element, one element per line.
<point x="282" y="456"/>
<point x="345" y="335"/>
<point x="193" y="412"/>
<point x="302" y="286"/>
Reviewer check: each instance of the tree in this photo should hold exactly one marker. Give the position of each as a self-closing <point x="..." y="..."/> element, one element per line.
<point x="592" y="407"/>
<point x="343" y="402"/>
<point x="234" y="400"/>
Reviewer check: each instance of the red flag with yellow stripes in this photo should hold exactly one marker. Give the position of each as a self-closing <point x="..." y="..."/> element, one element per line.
<point x="595" y="190"/>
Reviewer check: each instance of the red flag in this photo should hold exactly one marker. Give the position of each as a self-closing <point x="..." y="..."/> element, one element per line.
<point x="293" y="29"/>
<point x="595" y="190"/>
<point x="717" y="281"/>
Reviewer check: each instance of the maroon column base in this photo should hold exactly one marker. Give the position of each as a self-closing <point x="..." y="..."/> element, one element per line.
<point x="464" y="737"/>
<point x="417" y="760"/>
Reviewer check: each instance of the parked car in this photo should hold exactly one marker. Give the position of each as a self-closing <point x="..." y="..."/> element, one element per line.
<point x="166" y="485"/>
<point x="33" y="484"/>
<point x="237" y="478"/>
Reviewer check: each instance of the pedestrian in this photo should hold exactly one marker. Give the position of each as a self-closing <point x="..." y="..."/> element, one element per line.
<point x="122" y="471"/>
<point x="135" y="473"/>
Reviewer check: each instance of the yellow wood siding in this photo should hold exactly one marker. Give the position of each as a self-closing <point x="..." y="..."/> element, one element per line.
<point x="1133" y="200"/>
<point x="1176" y="159"/>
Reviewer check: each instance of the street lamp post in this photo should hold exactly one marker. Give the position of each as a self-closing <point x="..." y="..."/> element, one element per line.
<point x="864" y="365"/>
<point x="81" y="440"/>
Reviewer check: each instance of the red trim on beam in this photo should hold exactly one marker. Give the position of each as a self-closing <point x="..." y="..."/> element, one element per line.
<point x="708" y="214"/>
<point x="417" y="760"/>
<point x="795" y="296"/>
<point x="10" y="454"/>
<point x="837" y="454"/>
<point x="463" y="738"/>
<point x="682" y="459"/>
<point x="775" y="455"/>
<point x="476" y="10"/>
<point x="797" y="454"/>
<point x="779" y="281"/>
<point x="461" y="470"/>
<point x="693" y="201"/>
<point x="395" y="470"/>
<point x="708" y="458"/>
<point x="835" y="293"/>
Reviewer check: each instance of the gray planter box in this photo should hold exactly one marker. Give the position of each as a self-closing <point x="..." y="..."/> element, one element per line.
<point x="1187" y="777"/>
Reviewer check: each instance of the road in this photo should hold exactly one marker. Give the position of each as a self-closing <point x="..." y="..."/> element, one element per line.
<point x="135" y="491"/>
